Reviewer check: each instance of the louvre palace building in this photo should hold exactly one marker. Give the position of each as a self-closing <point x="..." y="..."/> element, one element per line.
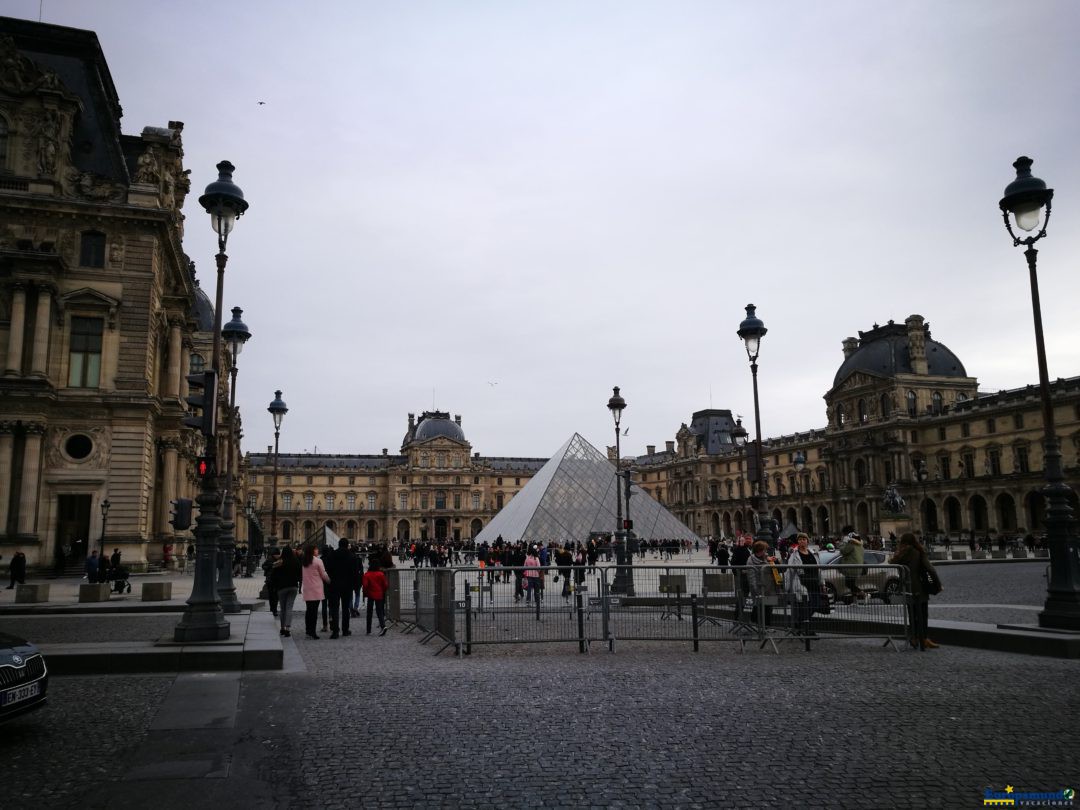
<point x="101" y="315"/>
<point x="901" y="410"/>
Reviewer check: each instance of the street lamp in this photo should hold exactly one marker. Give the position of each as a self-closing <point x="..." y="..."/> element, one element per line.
<point x="624" y="579"/>
<point x="203" y="619"/>
<point x="104" y="521"/>
<point x="278" y="410"/>
<point x="739" y="437"/>
<point x="1025" y="198"/>
<point x="752" y="330"/>
<point x="921" y="475"/>
<point x="235" y="334"/>
<point x="800" y="465"/>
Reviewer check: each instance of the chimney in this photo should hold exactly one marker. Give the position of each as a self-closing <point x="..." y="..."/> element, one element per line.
<point x="670" y="446"/>
<point x="384" y="451"/>
<point x="916" y="333"/>
<point x="611" y="454"/>
<point x="412" y="420"/>
<point x="650" y="449"/>
<point x="850" y="346"/>
<point x="457" y="419"/>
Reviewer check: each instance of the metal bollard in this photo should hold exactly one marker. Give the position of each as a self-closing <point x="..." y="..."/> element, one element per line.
<point x="694" y="616"/>
<point x="468" y="619"/>
<point x="582" y="646"/>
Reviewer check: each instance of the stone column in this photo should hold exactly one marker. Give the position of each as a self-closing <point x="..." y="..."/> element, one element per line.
<point x="31" y="472"/>
<point x="40" y="358"/>
<point x="7" y="442"/>
<point x="13" y="366"/>
<point x="185" y="368"/>
<point x="168" y="484"/>
<point x="172" y="384"/>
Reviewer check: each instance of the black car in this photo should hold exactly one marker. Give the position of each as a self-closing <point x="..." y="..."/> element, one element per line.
<point x="24" y="679"/>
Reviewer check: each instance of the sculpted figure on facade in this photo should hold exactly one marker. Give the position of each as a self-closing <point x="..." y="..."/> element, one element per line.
<point x="148" y="170"/>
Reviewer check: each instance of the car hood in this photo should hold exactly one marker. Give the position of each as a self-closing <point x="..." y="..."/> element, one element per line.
<point x="10" y="646"/>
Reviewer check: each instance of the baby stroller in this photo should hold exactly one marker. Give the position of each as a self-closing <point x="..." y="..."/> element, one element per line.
<point x="119" y="577"/>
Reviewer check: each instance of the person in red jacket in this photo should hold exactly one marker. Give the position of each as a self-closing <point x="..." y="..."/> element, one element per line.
<point x="375" y="586"/>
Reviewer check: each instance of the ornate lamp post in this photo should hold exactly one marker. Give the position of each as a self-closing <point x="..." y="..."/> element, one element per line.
<point x="203" y="618"/>
<point x="739" y="436"/>
<point x="235" y="334"/>
<point x="752" y="330"/>
<point x="921" y="474"/>
<point x="800" y="464"/>
<point x="277" y="410"/>
<point x="624" y="578"/>
<point x="104" y="522"/>
<point x="1025" y="198"/>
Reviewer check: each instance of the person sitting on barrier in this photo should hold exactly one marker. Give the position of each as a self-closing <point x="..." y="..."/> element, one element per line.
<point x="532" y="575"/>
<point x="851" y="553"/>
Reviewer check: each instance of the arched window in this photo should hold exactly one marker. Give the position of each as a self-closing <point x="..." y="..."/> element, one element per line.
<point x="912" y="404"/>
<point x="936" y="402"/>
<point x="371" y="501"/>
<point x="860" y="473"/>
<point x="841" y="414"/>
<point x="499" y="499"/>
<point x="961" y="397"/>
<point x="864" y="417"/>
<point x="423" y="459"/>
<point x="440" y="499"/>
<point x="286" y="531"/>
<point x="886" y="406"/>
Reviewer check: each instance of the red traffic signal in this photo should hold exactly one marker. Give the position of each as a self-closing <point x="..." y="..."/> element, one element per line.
<point x="205" y="467"/>
<point x="628" y="524"/>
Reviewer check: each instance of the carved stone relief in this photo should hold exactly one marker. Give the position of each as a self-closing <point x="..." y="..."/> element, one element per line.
<point x="57" y="458"/>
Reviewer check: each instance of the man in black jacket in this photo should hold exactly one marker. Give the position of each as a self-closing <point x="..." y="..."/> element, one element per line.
<point x="341" y="568"/>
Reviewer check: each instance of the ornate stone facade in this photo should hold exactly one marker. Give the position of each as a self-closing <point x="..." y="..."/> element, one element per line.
<point x="436" y="487"/>
<point x="902" y="410"/>
<point x="96" y="305"/>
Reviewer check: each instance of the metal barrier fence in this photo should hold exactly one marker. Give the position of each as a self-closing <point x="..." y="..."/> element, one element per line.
<point x="753" y="604"/>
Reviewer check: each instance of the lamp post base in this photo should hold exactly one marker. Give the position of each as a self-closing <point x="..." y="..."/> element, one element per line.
<point x="198" y="625"/>
<point x="623" y="583"/>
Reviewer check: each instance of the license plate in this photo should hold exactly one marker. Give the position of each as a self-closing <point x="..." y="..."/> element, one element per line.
<point x="20" y="694"/>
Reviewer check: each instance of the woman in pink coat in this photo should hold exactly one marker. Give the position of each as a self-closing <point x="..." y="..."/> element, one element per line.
<point x="313" y="576"/>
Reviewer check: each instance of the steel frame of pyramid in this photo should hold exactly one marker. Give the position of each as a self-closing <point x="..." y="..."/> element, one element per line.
<point x="573" y="495"/>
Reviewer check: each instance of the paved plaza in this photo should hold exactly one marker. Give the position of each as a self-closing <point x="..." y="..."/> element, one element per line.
<point x="380" y="722"/>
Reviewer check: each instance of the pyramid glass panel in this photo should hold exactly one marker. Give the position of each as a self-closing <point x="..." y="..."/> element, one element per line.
<point x="573" y="495"/>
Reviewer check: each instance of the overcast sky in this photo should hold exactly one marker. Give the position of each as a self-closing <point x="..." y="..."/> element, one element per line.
<point x="506" y="208"/>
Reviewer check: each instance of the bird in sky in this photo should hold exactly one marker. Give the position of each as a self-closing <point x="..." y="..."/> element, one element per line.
<point x="260" y="103"/>
<point x="626" y="432"/>
<point x="492" y="384"/>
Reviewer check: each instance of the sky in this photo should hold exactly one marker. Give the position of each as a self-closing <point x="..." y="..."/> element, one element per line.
<point x="503" y="209"/>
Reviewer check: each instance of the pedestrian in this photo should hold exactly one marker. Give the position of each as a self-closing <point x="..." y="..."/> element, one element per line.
<point x="285" y="578"/>
<point x="91" y="567"/>
<point x="375" y="585"/>
<point x="341" y="568"/>
<point x="114" y="560"/>
<point x="723" y="556"/>
<point x="268" y="573"/>
<point x="313" y="578"/>
<point x="802" y="582"/>
<point x="924" y="584"/>
<point x="532" y="575"/>
<point x="103" y="567"/>
<point x="358" y="574"/>
<point x="17" y="570"/>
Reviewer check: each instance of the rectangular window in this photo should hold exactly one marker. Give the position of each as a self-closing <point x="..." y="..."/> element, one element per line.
<point x="943" y="465"/>
<point x="991" y="425"/>
<point x="92" y="249"/>
<point x="350" y="503"/>
<point x="352" y="480"/>
<point x="329" y="503"/>
<point x="993" y="458"/>
<point x="403" y="501"/>
<point x="423" y="500"/>
<point x="371" y="480"/>
<point x="498" y="482"/>
<point x="968" y="461"/>
<point x="965" y="429"/>
<point x="309" y="502"/>
<point x="330" y="479"/>
<point x="476" y="500"/>
<point x="85" y="357"/>
<point x="286" y="501"/>
<point x="371" y="501"/>
<point x="253" y="478"/>
<point x="457" y="500"/>
<point x="309" y="479"/>
<point x="288" y="479"/>
<point x="1018" y="421"/>
<point x="914" y="437"/>
<point x="1021" y="456"/>
<point x="476" y="479"/>
<point x="517" y="482"/>
<point x="941" y="433"/>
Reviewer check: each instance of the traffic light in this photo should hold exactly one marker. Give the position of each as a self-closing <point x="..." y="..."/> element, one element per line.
<point x="181" y="514"/>
<point x="627" y="483"/>
<point x="206" y="401"/>
<point x="205" y="467"/>
<point x="628" y="524"/>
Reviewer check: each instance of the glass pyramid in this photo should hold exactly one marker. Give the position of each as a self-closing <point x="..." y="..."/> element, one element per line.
<point x="573" y="495"/>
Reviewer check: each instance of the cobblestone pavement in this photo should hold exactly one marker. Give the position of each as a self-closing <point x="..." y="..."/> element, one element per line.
<point x="380" y="722"/>
<point x="77" y="628"/>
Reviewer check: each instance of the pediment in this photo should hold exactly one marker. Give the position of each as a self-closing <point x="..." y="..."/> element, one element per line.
<point x="87" y="298"/>
<point x="858" y="379"/>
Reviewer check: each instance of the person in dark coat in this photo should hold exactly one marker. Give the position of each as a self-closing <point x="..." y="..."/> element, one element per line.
<point x="341" y="568"/>
<point x="924" y="582"/>
<point x="18" y="570"/>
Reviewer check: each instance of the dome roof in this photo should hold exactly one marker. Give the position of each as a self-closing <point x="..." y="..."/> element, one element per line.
<point x="884" y="351"/>
<point x="433" y="424"/>
<point x="203" y="311"/>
